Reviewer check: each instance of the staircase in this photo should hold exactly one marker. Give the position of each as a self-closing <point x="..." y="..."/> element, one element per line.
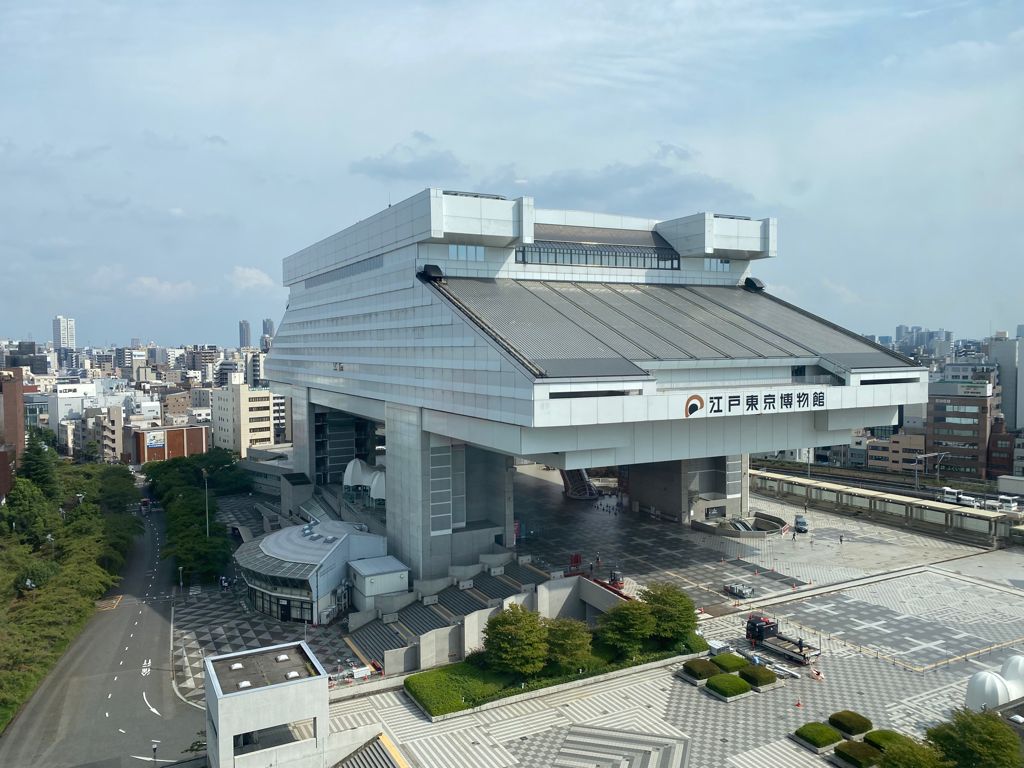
<point x="577" y="485"/>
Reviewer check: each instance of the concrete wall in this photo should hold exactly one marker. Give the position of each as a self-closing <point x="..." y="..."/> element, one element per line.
<point x="240" y="712"/>
<point x="473" y="629"/>
<point x="598" y="597"/>
<point x="560" y="598"/>
<point x="660" y="485"/>
<point x="401" y="660"/>
<point x="440" y="646"/>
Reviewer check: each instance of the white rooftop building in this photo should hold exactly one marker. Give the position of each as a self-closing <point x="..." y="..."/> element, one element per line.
<point x="473" y="329"/>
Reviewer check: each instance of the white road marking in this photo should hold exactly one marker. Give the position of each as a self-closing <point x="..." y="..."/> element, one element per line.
<point x="151" y="708"/>
<point x="106" y="714"/>
<point x="152" y="760"/>
<point x="132" y="635"/>
<point x="109" y="695"/>
<point x="115" y="678"/>
<point x="120" y="663"/>
<point x="126" y="647"/>
<point x="122" y="730"/>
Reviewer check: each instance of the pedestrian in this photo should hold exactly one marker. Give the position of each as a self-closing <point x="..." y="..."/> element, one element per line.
<point x="794" y="535"/>
<point x="840" y="538"/>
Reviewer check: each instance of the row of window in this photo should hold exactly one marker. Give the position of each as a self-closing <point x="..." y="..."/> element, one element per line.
<point x="955" y="420"/>
<point x="717" y="265"/>
<point x="957" y="408"/>
<point x="573" y="254"/>
<point x="281" y="608"/>
<point x="466" y="252"/>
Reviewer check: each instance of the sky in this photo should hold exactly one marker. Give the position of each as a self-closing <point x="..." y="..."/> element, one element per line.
<point x="158" y="160"/>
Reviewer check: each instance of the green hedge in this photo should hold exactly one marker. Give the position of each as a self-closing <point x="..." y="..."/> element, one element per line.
<point x="848" y="721"/>
<point x="859" y="754"/>
<point x="728" y="685"/>
<point x="819" y="734"/>
<point x="729" y="662"/>
<point x="701" y="669"/>
<point x="755" y="674"/>
<point x="442" y="690"/>
<point x="883" y="739"/>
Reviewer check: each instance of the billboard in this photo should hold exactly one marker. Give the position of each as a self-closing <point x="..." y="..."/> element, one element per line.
<point x="156" y="439"/>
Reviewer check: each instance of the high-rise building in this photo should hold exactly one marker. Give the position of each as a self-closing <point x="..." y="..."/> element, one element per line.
<point x="243" y="417"/>
<point x="63" y="332"/>
<point x="268" y="327"/>
<point x="244" y="334"/>
<point x="1020" y="331"/>
<point x="1008" y="354"/>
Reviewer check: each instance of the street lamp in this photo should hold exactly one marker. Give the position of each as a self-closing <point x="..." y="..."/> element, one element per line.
<point x="206" y="484"/>
<point x="181" y="584"/>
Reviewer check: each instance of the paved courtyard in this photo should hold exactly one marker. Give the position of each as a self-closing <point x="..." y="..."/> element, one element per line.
<point x="893" y="648"/>
<point x="659" y="550"/>
<point x="750" y="733"/>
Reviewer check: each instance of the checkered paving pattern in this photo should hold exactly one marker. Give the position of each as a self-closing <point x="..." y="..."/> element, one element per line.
<point x="219" y="622"/>
<point x="918" y="620"/>
<point x="783" y="752"/>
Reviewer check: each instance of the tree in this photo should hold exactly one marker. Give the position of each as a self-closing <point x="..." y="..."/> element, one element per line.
<point x="568" y="643"/>
<point x="672" y="609"/>
<point x="626" y="626"/>
<point x="516" y="641"/>
<point x="28" y="513"/>
<point x="912" y="754"/>
<point x="90" y="453"/>
<point x="39" y="464"/>
<point x="977" y="740"/>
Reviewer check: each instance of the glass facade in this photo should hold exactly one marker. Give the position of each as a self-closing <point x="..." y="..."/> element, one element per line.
<point x="281" y="608"/>
<point x="596" y="255"/>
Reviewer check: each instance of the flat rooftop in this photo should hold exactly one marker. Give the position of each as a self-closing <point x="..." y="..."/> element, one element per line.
<point x="263" y="667"/>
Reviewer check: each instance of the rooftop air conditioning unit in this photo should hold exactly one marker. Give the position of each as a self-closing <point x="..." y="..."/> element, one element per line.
<point x="244" y="684"/>
<point x="236" y="666"/>
<point x="292" y="675"/>
<point x="281" y="657"/>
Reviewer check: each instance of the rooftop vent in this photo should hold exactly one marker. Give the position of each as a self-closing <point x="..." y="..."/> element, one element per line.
<point x="753" y="285"/>
<point x="243" y="684"/>
<point x="292" y="675"/>
<point x="431" y="273"/>
<point x="281" y="657"/>
<point x="236" y="666"/>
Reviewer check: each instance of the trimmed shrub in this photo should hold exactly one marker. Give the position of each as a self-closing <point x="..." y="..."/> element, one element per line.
<point x="755" y="674"/>
<point x="819" y="734"/>
<point x="848" y="721"/>
<point x="700" y="669"/>
<point x="729" y="662"/>
<point x="882" y="739"/>
<point x="859" y="754"/>
<point x="728" y="685"/>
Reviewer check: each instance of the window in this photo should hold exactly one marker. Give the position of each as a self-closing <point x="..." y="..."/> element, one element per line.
<point x="717" y="265"/>
<point x="597" y="255"/>
<point x="466" y="252"/>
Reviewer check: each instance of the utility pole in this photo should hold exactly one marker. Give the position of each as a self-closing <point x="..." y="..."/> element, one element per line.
<point x="206" y="484"/>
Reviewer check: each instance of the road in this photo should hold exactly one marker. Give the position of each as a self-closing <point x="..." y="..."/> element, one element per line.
<point x="109" y="699"/>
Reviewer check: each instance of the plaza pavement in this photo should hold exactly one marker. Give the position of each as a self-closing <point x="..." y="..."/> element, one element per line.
<point x="899" y="649"/>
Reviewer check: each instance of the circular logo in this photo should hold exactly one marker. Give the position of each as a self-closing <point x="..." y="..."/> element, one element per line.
<point x="693" y="404"/>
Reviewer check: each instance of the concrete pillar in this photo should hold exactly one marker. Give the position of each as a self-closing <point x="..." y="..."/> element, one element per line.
<point x="408" y="497"/>
<point x="661" y="485"/>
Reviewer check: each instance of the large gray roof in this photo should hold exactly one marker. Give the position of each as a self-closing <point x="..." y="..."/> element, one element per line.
<point x="560" y="328"/>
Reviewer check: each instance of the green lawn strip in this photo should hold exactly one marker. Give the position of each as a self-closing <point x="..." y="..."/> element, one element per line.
<point x="460" y="686"/>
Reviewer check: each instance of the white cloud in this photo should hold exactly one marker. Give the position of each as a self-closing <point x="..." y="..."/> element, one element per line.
<point x="250" y="278"/>
<point x="155" y="289"/>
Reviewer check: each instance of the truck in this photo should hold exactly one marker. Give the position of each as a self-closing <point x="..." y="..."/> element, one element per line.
<point x="763" y="632"/>
<point x="954" y="496"/>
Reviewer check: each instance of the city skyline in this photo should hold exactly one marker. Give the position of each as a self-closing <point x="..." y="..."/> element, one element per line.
<point x="880" y="144"/>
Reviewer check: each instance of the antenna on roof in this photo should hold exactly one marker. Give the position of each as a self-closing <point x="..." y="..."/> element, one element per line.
<point x="389" y="198"/>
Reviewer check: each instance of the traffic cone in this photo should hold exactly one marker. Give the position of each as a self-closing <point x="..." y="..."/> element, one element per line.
<point x="798" y="704"/>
